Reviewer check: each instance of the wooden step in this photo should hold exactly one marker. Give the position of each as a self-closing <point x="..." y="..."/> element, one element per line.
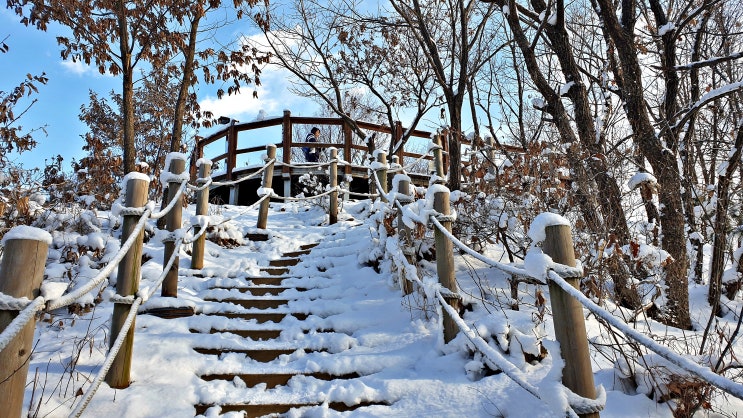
<point x="272" y="380"/>
<point x="257" y="236"/>
<point x="256" y="291"/>
<point x="284" y="262"/>
<point x="253" y="334"/>
<point x="253" y="303"/>
<point x="297" y="253"/>
<point x="260" y="317"/>
<point x="263" y="356"/>
<point x="259" y="410"/>
<point x="275" y="271"/>
<point x="308" y="246"/>
<point x="266" y="281"/>
<point x="170" y="312"/>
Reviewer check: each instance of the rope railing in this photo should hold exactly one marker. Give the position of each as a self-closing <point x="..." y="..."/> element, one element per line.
<point x="25" y="315"/>
<point x="703" y="373"/>
<point x="305" y="198"/>
<point x="579" y="405"/>
<point x="76" y="294"/>
<point x="242" y="179"/>
<point x="555" y="274"/>
<point x="142" y="296"/>
<point x="106" y="366"/>
<point x="313" y="166"/>
<point x="27" y="309"/>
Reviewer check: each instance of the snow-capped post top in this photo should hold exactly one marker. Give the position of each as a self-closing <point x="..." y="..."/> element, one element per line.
<point x="174" y="156"/>
<point x="166" y="176"/>
<point x="28" y="232"/>
<point x="541" y="222"/>
<point x="202" y="160"/>
<point x="133" y="176"/>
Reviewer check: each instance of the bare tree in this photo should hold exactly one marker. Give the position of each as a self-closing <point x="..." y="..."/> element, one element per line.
<point x="335" y="51"/>
<point x="452" y="35"/>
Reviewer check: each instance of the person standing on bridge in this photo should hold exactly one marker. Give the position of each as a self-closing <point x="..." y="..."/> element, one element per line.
<point x="311" y="155"/>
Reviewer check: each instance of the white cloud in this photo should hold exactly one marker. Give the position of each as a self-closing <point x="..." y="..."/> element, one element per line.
<point x="77" y="67"/>
<point x="273" y="98"/>
<point x="80" y="69"/>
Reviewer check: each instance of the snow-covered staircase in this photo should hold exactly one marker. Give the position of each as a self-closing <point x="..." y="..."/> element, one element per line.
<point x="256" y="334"/>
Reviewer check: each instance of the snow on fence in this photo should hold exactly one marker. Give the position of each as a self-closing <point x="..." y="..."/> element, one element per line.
<point x="556" y="263"/>
<point x="26" y="248"/>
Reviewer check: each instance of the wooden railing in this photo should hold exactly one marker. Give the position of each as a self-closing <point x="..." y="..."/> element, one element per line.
<point x="228" y="159"/>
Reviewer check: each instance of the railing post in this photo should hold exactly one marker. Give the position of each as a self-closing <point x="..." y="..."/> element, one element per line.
<point x="127" y="281"/>
<point x="381" y="170"/>
<point x="397" y="137"/>
<point x="347" y="143"/>
<point x="286" y="140"/>
<point x="438" y="157"/>
<point x="202" y="208"/>
<point x="173" y="221"/>
<point x="21" y="272"/>
<point x="445" y="260"/>
<point x="333" y="174"/>
<point x="567" y="314"/>
<point x="266" y="184"/>
<point x="405" y="233"/>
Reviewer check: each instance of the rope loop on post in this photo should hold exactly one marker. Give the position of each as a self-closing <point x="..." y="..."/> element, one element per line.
<point x="124" y="300"/>
<point x="10" y="303"/>
<point x="133" y="211"/>
<point x="171" y="237"/>
<point x="583" y="405"/>
<point x="448" y="294"/>
<point x="403" y="198"/>
<point x="444" y="218"/>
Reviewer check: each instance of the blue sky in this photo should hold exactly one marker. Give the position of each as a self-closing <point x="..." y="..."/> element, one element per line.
<point x="32" y="51"/>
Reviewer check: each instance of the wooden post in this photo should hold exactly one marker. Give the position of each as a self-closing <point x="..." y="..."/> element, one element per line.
<point x="347" y="155"/>
<point x="382" y="173"/>
<point x="397" y="137"/>
<point x="231" y="149"/>
<point x="567" y="314"/>
<point x="21" y="272"/>
<point x="445" y="261"/>
<point x="333" y="215"/>
<point x="173" y="221"/>
<point x="266" y="184"/>
<point x="446" y="137"/>
<point x="127" y="283"/>
<point x="286" y="141"/>
<point x="406" y="235"/>
<point x="202" y="208"/>
<point x="438" y="157"/>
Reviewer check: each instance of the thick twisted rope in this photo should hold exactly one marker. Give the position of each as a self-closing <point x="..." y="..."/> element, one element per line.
<point x="297" y="199"/>
<point x="704" y="373"/>
<point x="248" y="177"/>
<point x="173" y="201"/>
<point x="109" y="360"/>
<point x="205" y="182"/>
<point x="103" y="274"/>
<point x="25" y="316"/>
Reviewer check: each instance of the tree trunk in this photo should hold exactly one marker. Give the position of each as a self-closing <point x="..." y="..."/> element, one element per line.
<point x="662" y="159"/>
<point x="720" y="227"/>
<point x="186" y="82"/>
<point x="455" y="140"/>
<point x="127" y="88"/>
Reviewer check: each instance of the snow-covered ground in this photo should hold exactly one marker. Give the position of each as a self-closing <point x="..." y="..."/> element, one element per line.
<point x="359" y="321"/>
